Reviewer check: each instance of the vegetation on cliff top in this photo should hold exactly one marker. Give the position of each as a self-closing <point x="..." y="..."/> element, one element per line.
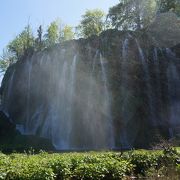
<point x="126" y="15"/>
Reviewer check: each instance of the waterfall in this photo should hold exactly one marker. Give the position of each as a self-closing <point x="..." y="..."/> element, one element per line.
<point x="10" y="85"/>
<point x="124" y="90"/>
<point x="158" y="90"/>
<point x="59" y="119"/>
<point x="125" y="49"/>
<point x="148" y="84"/>
<point x="124" y="68"/>
<point x="174" y="89"/>
<point x="173" y="83"/>
<point x="90" y="93"/>
<point x="98" y="93"/>
<point x="71" y="96"/>
<point x="9" y="91"/>
<point x="107" y="103"/>
<point x="60" y="124"/>
<point x="28" y="128"/>
<point x="157" y="70"/>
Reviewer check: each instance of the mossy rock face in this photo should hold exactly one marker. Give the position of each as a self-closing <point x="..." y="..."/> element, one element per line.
<point x="11" y="139"/>
<point x="140" y="82"/>
<point x="6" y="127"/>
<point x="21" y="143"/>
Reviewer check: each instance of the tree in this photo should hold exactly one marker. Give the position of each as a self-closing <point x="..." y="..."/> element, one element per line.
<point x="6" y="59"/>
<point x="132" y="14"/>
<point x="22" y="43"/>
<point x="25" y="42"/>
<point x="58" y="32"/>
<point x="52" y="35"/>
<point x="40" y="32"/>
<point x="169" y="6"/>
<point x="92" y="23"/>
<point x="66" y="33"/>
<point x="39" y="40"/>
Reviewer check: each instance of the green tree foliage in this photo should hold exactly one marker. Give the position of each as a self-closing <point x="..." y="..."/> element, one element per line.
<point x="52" y="35"/>
<point x="66" y="33"/>
<point x="132" y="14"/>
<point x="92" y="23"/>
<point x="23" y="43"/>
<point x="57" y="33"/>
<point x="138" y="14"/>
<point x="6" y="59"/>
<point x="169" y="6"/>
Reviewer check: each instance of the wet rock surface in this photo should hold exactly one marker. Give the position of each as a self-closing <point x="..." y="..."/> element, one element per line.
<point x="117" y="90"/>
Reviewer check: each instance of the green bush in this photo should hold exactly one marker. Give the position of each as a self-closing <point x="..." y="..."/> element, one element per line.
<point x="61" y="166"/>
<point x="105" y="169"/>
<point x="92" y="165"/>
<point x="143" y="160"/>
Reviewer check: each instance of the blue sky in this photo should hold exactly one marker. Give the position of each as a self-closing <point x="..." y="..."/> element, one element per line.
<point x="14" y="14"/>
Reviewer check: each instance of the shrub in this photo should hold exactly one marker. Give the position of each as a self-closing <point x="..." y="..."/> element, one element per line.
<point x="143" y="160"/>
<point x="92" y="165"/>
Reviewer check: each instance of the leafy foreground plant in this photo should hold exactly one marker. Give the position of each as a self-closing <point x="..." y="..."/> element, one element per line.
<point x="92" y="165"/>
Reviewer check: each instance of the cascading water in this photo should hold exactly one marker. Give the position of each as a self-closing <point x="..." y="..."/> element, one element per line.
<point x="158" y="90"/>
<point x="148" y="84"/>
<point x="87" y="94"/>
<point x="10" y="85"/>
<point x="53" y="116"/>
<point x="29" y="70"/>
<point x="156" y="62"/>
<point x="174" y="89"/>
<point x="91" y="90"/>
<point x="58" y="121"/>
<point x="124" y="90"/>
<point x="72" y="94"/>
<point x="107" y="103"/>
